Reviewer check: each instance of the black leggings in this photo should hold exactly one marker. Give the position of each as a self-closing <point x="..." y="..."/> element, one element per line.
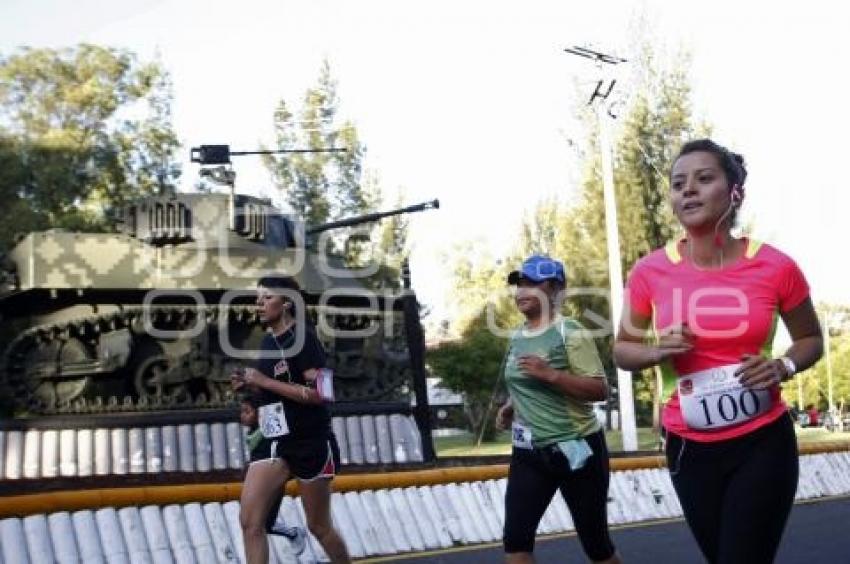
<point x="737" y="494"/>
<point x="534" y="476"/>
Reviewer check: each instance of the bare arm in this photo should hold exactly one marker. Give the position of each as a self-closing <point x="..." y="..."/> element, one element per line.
<point x="295" y="392"/>
<point x="807" y="346"/>
<point x="585" y="388"/>
<point x="805" y="350"/>
<point x="632" y="352"/>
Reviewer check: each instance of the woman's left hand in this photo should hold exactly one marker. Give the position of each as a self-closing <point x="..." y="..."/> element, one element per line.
<point x="536" y="367"/>
<point x="759" y="373"/>
<point x="255" y="379"/>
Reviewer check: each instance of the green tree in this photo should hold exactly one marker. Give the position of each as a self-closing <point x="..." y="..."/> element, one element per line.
<point x="814" y="382"/>
<point x="82" y="130"/>
<point x="319" y="187"/>
<point x="652" y="127"/>
<point x="327" y="186"/>
<point x="472" y="365"/>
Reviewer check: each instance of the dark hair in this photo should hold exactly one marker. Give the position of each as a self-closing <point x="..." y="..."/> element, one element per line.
<point x="732" y="163"/>
<point x="251" y="398"/>
<point x="281" y="283"/>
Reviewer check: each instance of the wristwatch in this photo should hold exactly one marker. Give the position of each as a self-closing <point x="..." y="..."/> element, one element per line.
<point x="790" y="367"/>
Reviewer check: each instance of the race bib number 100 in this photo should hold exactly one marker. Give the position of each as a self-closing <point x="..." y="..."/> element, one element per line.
<point x="714" y="398"/>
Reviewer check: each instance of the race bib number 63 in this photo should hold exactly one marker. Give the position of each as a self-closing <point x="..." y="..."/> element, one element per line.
<point x="714" y="399"/>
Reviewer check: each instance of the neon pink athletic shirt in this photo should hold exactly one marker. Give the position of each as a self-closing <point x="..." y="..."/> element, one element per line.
<point x="732" y="311"/>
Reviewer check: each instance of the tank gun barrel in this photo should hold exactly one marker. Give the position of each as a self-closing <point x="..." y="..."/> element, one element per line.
<point x="366" y="218"/>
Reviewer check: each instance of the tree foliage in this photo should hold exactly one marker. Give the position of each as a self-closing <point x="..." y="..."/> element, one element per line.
<point x="650" y="130"/>
<point x="814" y="382"/>
<point x="471" y="365"/>
<point x="82" y="130"/>
<point x="326" y="186"/>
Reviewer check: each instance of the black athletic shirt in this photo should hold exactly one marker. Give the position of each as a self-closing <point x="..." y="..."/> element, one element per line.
<point x="306" y="421"/>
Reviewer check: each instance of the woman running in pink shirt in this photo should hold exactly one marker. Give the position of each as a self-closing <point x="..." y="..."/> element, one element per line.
<point x="704" y="309"/>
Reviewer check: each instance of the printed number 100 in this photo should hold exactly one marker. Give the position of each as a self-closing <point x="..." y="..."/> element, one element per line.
<point x="728" y="407"/>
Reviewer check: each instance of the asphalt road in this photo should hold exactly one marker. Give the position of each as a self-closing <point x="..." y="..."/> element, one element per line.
<point x="817" y="533"/>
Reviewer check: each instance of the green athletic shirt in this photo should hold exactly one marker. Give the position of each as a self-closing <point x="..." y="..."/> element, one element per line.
<point x="551" y="415"/>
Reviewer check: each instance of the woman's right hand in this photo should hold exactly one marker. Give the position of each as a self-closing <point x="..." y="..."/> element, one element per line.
<point x="504" y="417"/>
<point x="675" y="340"/>
<point x="237" y="379"/>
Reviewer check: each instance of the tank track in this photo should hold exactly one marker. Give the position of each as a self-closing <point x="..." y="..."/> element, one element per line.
<point x="110" y="362"/>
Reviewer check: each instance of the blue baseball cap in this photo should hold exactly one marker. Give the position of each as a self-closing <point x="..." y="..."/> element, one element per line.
<point x="538" y="268"/>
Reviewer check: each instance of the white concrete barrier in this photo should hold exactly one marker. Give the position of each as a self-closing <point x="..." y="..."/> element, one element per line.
<point x="488" y="510"/>
<point x="408" y="519"/>
<point x="384" y="442"/>
<point x="68" y="452"/>
<point x="389" y="521"/>
<point x="14" y="464"/>
<point x="85" y="452"/>
<point x="235" y="446"/>
<point x="367" y="533"/>
<point x="455" y="521"/>
<point x="355" y="439"/>
<point x="338" y="426"/>
<point x="231" y="516"/>
<point x="292" y="516"/>
<point x="153" y="449"/>
<point x="136" y="446"/>
<point x="119" y="450"/>
<point x="13" y="542"/>
<point x="218" y="442"/>
<point x="186" y="447"/>
<point x="39" y="547"/>
<point x="225" y="549"/>
<point x="88" y="539"/>
<point x="475" y="511"/>
<point x="203" y="448"/>
<point x="170" y="452"/>
<point x="134" y="535"/>
<point x="398" y="435"/>
<point x="414" y="441"/>
<point x="111" y="536"/>
<point x="315" y="550"/>
<point x="370" y="442"/>
<point x="102" y="452"/>
<point x="64" y="538"/>
<point x="383" y="522"/>
<point x="344" y="522"/>
<point x="441" y="527"/>
<point x="32" y="453"/>
<point x="49" y="453"/>
<point x="178" y="536"/>
<point x="198" y="533"/>
<point x="157" y="539"/>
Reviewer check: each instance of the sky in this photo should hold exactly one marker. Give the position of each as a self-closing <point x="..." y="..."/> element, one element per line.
<point x="471" y="102"/>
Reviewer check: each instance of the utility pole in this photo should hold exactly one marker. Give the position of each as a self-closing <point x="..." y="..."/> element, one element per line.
<point x="603" y="90"/>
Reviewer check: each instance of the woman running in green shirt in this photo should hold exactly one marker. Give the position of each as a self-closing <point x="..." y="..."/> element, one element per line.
<point x="553" y="374"/>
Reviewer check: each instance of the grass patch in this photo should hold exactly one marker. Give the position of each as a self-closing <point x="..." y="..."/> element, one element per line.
<point x="462" y="445"/>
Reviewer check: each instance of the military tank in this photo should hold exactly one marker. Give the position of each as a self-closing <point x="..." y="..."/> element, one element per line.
<point x="156" y="315"/>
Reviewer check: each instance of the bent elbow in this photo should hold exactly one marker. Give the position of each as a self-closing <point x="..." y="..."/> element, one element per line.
<point x="818" y="348"/>
<point x="621" y="357"/>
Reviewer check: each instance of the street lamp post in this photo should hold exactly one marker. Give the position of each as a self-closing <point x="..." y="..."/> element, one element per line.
<point x="615" y="271"/>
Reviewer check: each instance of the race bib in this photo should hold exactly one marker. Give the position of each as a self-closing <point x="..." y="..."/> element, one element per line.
<point x="714" y="399"/>
<point x="272" y="420"/>
<point x="521" y="435"/>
